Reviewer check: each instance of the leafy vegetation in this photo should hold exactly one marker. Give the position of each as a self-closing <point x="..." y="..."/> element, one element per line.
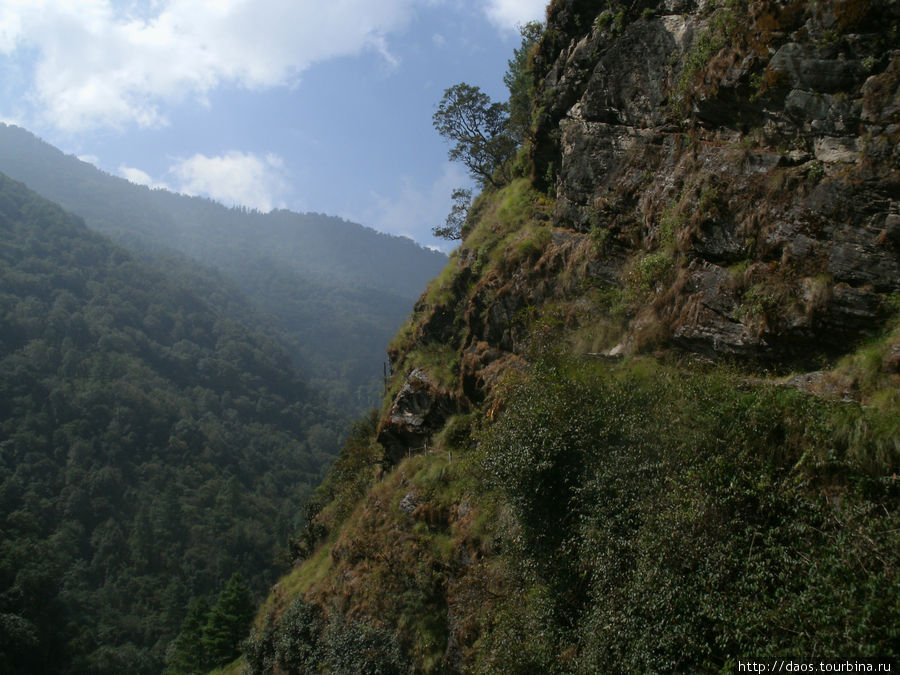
<point x="587" y="512"/>
<point x="150" y="448"/>
<point x="304" y="642"/>
<point x="212" y="636"/>
<point x="722" y="28"/>
<point x="477" y="128"/>
<point x="779" y="538"/>
<point x="519" y="82"/>
<point x="635" y="516"/>
<point x="487" y="135"/>
<point x="456" y="219"/>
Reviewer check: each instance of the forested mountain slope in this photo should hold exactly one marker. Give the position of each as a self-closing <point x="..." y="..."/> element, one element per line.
<point x="648" y="417"/>
<point x="337" y="289"/>
<point x="151" y="446"/>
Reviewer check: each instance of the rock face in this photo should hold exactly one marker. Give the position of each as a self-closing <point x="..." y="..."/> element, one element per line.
<point x="763" y="137"/>
<point x="419" y="409"/>
<point x="723" y="179"/>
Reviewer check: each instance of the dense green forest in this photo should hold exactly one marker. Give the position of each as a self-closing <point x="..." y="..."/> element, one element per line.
<point x="336" y="290"/>
<point x="151" y="446"/>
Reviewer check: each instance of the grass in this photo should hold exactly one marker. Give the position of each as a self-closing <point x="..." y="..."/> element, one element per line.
<point x="866" y="372"/>
<point x="439" y="360"/>
<point x="648" y="273"/>
<point x="440" y="289"/>
<point x="237" y="667"/>
<point x="405" y="336"/>
<point x="720" y="32"/>
<point x="313" y="572"/>
<point x="682" y="474"/>
<point x="510" y="227"/>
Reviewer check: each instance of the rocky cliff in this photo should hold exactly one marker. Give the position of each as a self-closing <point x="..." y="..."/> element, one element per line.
<point x="705" y="219"/>
<point x="755" y="146"/>
<point x="723" y="181"/>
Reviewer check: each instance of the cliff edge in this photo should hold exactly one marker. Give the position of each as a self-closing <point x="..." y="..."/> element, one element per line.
<point x="646" y="418"/>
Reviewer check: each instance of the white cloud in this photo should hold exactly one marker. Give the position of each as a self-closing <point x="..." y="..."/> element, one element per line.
<point x="413" y="211"/>
<point x="235" y="178"/>
<point x="99" y="65"/>
<point x="137" y="176"/>
<point x="509" y="14"/>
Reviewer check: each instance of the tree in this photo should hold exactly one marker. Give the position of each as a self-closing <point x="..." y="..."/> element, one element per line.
<point x="518" y="81"/>
<point x="228" y="622"/>
<point x="456" y="219"/>
<point x="478" y="127"/>
<point x="186" y="654"/>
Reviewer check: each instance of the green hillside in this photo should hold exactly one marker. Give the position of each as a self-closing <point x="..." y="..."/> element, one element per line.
<point x="335" y="289"/>
<point x="151" y="446"/>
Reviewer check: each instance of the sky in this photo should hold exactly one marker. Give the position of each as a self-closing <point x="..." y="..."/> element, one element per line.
<point x="311" y="105"/>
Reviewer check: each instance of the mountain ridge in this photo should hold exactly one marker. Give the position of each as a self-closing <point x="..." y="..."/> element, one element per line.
<point x="48" y="170"/>
<point x="337" y="289"/>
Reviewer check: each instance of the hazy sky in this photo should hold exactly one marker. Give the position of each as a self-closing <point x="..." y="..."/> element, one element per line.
<point x="311" y="105"/>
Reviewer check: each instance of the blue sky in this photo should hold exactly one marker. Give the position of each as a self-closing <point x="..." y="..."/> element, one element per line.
<point x="311" y="105"/>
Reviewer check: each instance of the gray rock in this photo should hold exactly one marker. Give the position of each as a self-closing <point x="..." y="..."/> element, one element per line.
<point x="809" y="71"/>
<point x="417" y="411"/>
<point x="830" y="149"/>
<point x="409" y="502"/>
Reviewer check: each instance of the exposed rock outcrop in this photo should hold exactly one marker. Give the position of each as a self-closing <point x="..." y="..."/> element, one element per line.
<point x="708" y="179"/>
<point x="762" y="136"/>
<point x="418" y="410"/>
<point x="724" y="181"/>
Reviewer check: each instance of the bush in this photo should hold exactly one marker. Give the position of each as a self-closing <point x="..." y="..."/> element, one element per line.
<point x="353" y="647"/>
<point x="303" y="641"/>
<point x="674" y="522"/>
<point x="297" y="644"/>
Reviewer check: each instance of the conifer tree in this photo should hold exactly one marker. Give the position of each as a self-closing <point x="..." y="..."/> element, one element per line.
<point x="186" y="654"/>
<point x="228" y="622"/>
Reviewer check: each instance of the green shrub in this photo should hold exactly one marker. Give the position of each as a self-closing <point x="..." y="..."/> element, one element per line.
<point x="303" y="641"/>
<point x="816" y="171"/>
<point x="297" y="644"/>
<point x="675" y="522"/>
<point x="722" y="28"/>
<point x="603" y="20"/>
<point x="351" y="647"/>
<point x="648" y="272"/>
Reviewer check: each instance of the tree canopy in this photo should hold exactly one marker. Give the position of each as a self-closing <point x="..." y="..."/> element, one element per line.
<point x="453" y="226"/>
<point x="484" y="133"/>
<point x="151" y="445"/>
<point x="518" y="80"/>
<point x="478" y="129"/>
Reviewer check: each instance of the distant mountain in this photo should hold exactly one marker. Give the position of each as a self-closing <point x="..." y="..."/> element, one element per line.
<point x="340" y="290"/>
<point x="151" y="445"/>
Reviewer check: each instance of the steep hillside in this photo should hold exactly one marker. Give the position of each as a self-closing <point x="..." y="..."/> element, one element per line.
<point x="150" y="447"/>
<point x="648" y="417"/>
<point x="337" y="289"/>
